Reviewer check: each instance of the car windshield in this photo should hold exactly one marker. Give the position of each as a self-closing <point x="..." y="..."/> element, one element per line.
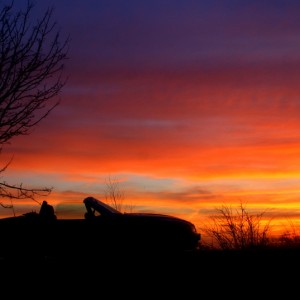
<point x="69" y="210"/>
<point x="99" y="206"/>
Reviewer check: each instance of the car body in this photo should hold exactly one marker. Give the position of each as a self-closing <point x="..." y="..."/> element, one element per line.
<point x="101" y="228"/>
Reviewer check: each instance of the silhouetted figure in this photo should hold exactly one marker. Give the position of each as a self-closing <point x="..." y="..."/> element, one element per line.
<point x="47" y="211"/>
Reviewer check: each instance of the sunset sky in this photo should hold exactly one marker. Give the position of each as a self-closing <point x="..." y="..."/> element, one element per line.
<point x="189" y="104"/>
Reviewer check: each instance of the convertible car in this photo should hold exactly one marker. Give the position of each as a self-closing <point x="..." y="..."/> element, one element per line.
<point x="101" y="228"/>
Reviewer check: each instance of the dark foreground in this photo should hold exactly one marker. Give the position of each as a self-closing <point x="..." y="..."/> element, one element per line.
<point x="144" y="275"/>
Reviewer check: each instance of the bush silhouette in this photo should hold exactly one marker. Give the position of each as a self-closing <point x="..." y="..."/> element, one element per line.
<point x="237" y="229"/>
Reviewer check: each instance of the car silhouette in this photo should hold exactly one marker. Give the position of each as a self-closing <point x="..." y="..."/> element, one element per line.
<point x="101" y="228"/>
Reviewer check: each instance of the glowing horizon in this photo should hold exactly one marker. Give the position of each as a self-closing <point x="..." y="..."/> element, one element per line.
<point x="190" y="106"/>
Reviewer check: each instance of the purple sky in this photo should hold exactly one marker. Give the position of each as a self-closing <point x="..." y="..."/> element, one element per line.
<point x="188" y="103"/>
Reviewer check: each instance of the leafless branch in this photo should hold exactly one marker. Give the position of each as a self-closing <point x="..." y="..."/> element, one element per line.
<point x="31" y="65"/>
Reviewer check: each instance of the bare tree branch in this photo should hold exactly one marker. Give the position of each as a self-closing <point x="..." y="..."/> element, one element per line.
<point x="31" y="65"/>
<point x="32" y="56"/>
<point x="113" y="193"/>
<point x="19" y="192"/>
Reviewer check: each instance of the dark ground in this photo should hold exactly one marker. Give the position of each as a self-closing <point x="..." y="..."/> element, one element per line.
<point x="206" y="273"/>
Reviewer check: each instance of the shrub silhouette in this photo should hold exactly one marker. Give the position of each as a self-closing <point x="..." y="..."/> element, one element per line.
<point x="290" y="237"/>
<point x="237" y="229"/>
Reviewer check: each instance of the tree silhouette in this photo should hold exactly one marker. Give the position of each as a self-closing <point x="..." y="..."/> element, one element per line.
<point x="32" y="59"/>
<point x="114" y="195"/>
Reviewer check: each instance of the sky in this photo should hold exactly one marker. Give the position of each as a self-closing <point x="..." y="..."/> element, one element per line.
<point x="189" y="105"/>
